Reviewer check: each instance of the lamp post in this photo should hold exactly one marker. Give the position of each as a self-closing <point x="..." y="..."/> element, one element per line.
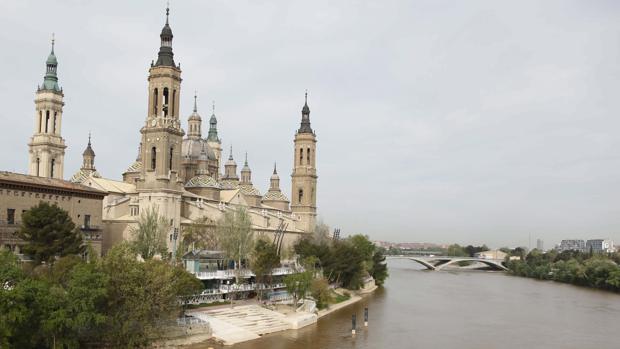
<point x="175" y="235"/>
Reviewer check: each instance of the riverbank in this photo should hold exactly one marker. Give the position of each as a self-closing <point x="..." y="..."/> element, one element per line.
<point x="250" y="320"/>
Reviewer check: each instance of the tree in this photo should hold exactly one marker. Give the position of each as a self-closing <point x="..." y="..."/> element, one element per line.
<point x="199" y="235"/>
<point x="321" y="293"/>
<point x="264" y="259"/>
<point x="234" y="231"/>
<point x="344" y="265"/>
<point x="321" y="232"/>
<point x="379" y="270"/>
<point x="49" y="232"/>
<point x="150" y="234"/>
<point x="298" y="285"/>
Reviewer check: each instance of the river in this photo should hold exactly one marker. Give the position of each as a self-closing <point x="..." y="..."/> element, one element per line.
<point x="463" y="309"/>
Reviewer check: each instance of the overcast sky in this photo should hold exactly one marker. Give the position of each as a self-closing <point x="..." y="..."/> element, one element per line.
<point x="439" y="121"/>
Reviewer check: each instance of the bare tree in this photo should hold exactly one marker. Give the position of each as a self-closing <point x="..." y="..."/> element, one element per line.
<point x="150" y="234"/>
<point x="234" y="232"/>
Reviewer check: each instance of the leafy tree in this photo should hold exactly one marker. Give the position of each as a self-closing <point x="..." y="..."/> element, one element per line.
<point x="234" y="231"/>
<point x="298" y="285"/>
<point x="150" y="234"/>
<point x="319" y="289"/>
<point x="456" y="251"/>
<point x="49" y="232"/>
<point x="379" y="270"/>
<point x="345" y="265"/>
<point x="264" y="259"/>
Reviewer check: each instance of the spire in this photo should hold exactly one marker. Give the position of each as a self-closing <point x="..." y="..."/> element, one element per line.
<point x="195" y="105"/>
<point x="165" y="56"/>
<point x="50" y="81"/>
<point x="230" y="157"/>
<point x="212" y="137"/>
<point x="246" y="159"/>
<point x="275" y="171"/>
<point x="305" y="117"/>
<point x="167" y="11"/>
<point x="89" y="150"/>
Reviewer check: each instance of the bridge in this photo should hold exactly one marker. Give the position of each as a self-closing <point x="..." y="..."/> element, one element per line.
<point x="440" y="262"/>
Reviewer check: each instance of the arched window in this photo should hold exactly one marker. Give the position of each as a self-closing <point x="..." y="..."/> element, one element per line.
<point x="301" y="155"/>
<point x="52" y="168"/>
<point x="170" y="159"/>
<point x="153" y="158"/>
<point x="47" y="119"/>
<point x="155" y="100"/>
<point x="40" y="121"/>
<point x="301" y="196"/>
<point x="165" y="101"/>
<point x="308" y="157"/>
<point x="38" y="166"/>
<point x="54" y="126"/>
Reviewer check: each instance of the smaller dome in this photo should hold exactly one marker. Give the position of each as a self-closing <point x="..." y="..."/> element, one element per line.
<point x="166" y="30"/>
<point x="51" y="59"/>
<point x="249" y="189"/>
<point x="135" y="167"/>
<point x="229" y="185"/>
<point x="275" y="196"/>
<point x="202" y="181"/>
<point x="195" y="117"/>
<point x="88" y="151"/>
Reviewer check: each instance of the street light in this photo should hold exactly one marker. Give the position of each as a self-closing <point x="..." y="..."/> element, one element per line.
<point x="175" y="235"/>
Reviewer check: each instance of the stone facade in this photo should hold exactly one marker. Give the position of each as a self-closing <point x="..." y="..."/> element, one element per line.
<point x="18" y="193"/>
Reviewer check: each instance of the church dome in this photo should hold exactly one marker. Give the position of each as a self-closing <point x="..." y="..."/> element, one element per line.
<point x="51" y="59"/>
<point x="249" y="189"/>
<point x="202" y="181"/>
<point x="275" y="196"/>
<point x="135" y="167"/>
<point x="229" y="184"/>
<point x="197" y="149"/>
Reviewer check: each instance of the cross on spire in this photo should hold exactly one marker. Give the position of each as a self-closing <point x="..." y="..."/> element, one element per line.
<point x="195" y="105"/>
<point x="89" y="138"/>
<point x="167" y="10"/>
<point x="53" y="41"/>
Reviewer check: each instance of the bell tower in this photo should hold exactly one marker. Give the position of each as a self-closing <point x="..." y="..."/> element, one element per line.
<point x="47" y="147"/>
<point x="162" y="134"/>
<point x="160" y="183"/>
<point x="304" y="177"/>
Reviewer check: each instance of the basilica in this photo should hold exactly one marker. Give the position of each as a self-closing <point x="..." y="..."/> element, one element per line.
<point x="177" y="171"/>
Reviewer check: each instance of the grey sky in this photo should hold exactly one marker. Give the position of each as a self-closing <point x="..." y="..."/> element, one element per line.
<point x="439" y="121"/>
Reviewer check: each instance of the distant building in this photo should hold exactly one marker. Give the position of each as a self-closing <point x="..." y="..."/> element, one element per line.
<point x="600" y="246"/>
<point x="492" y="254"/>
<point x="572" y="245"/>
<point x="540" y="245"/>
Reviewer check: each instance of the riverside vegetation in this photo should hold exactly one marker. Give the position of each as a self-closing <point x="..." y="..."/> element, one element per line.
<point x="594" y="270"/>
<point x="62" y="300"/>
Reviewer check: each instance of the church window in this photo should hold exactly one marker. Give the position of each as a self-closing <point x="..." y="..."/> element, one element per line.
<point x="165" y="101"/>
<point x="153" y="158"/>
<point x="54" y="124"/>
<point x="301" y="155"/>
<point x="170" y="159"/>
<point x="301" y="196"/>
<point x="308" y="157"/>
<point x="38" y="166"/>
<point x="40" y="121"/>
<point x="155" y="100"/>
<point x="52" y="167"/>
<point x="47" y="119"/>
